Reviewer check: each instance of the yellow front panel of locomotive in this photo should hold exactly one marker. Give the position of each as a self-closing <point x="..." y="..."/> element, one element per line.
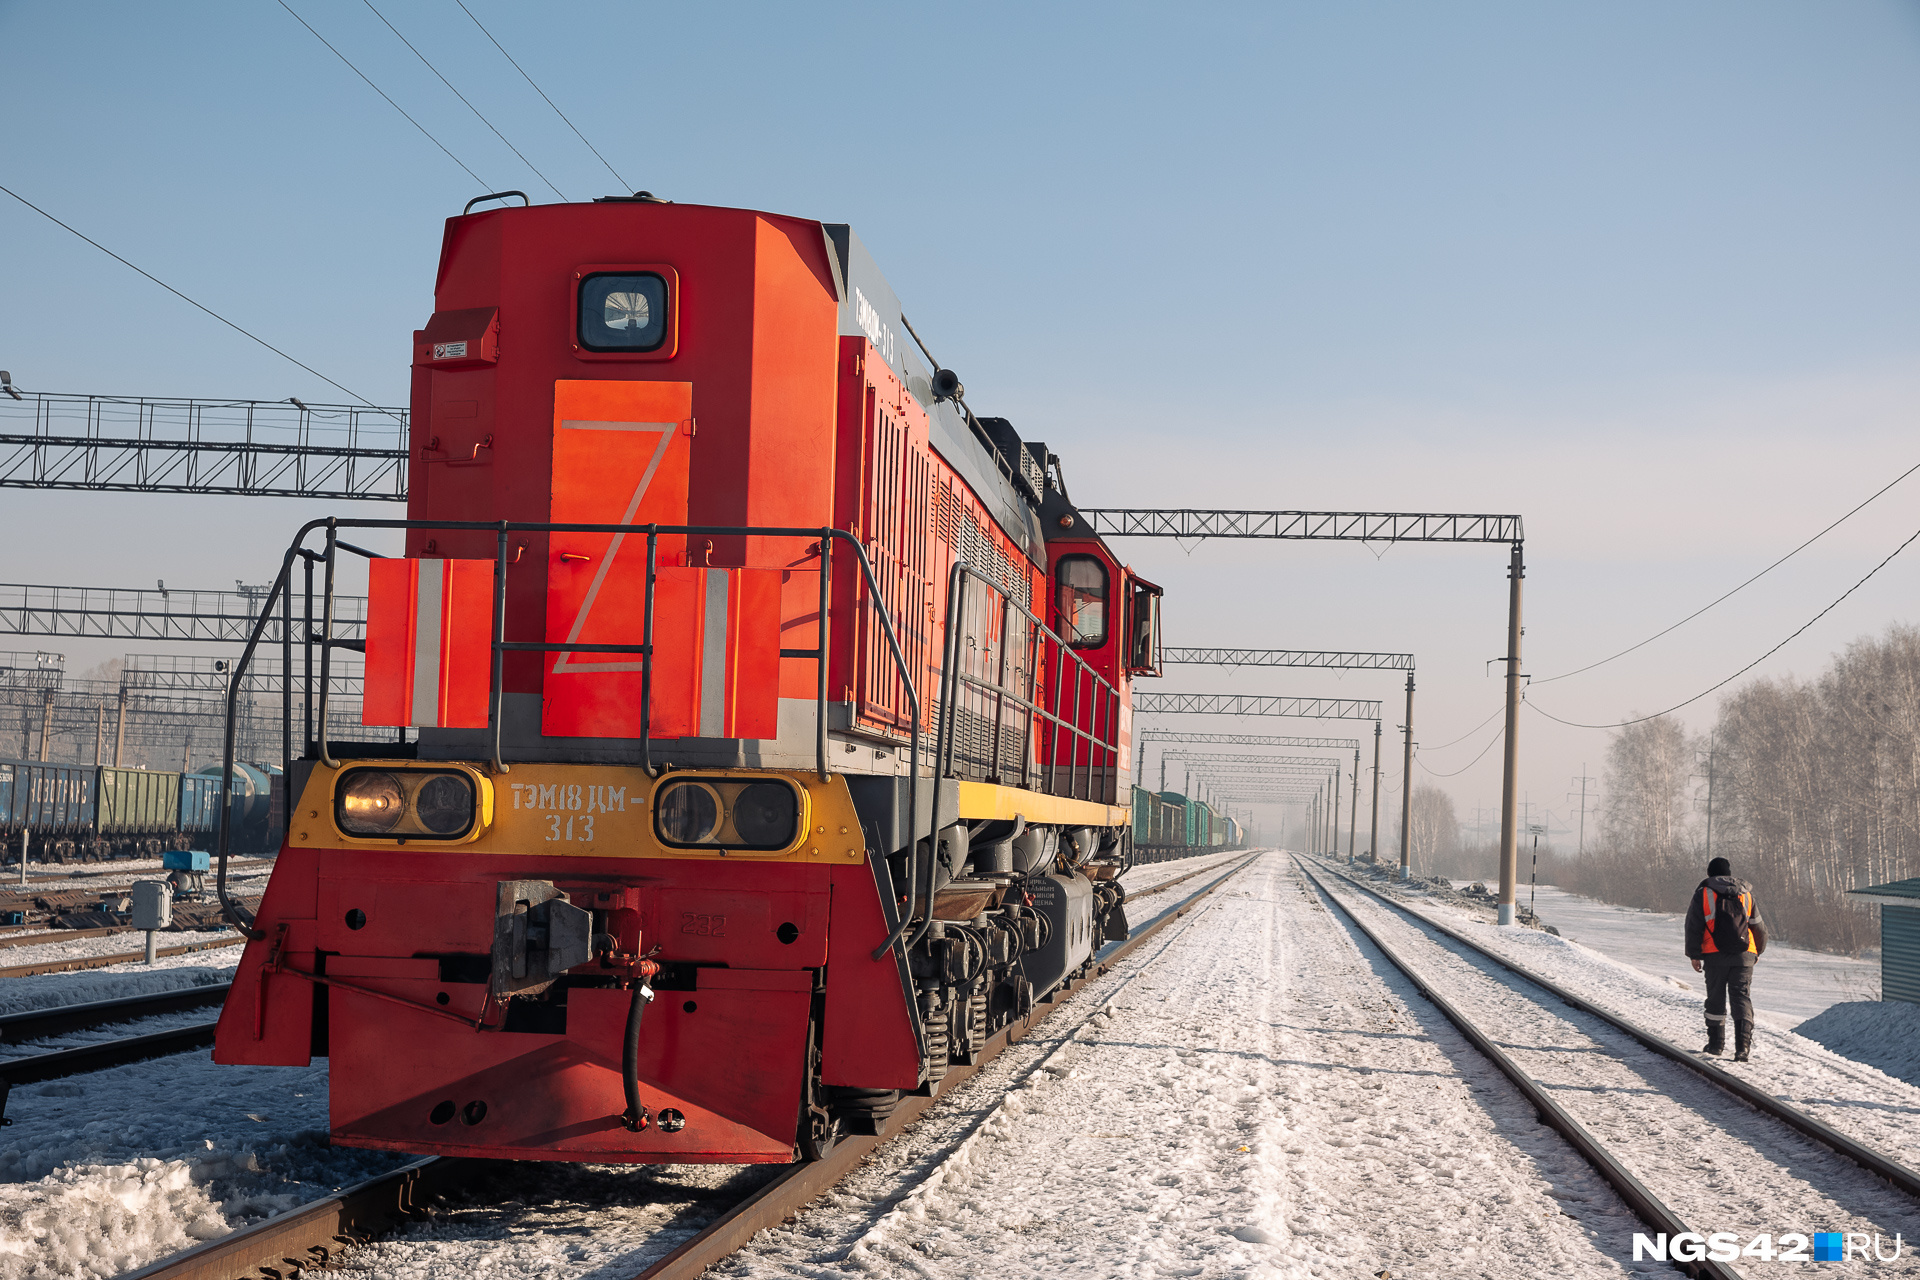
<point x="597" y="811"/>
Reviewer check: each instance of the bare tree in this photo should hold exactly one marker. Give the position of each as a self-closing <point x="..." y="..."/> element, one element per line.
<point x="1436" y="831"/>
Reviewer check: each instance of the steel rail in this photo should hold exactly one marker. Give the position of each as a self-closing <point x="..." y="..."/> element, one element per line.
<point x="1866" y="1157"/>
<point x="1648" y="1207"/>
<point x="793" y="1190"/>
<point x="36" y="1024"/>
<point x="315" y="1234"/>
<point x="96" y="1057"/>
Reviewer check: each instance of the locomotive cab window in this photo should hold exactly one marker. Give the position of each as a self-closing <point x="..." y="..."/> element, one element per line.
<point x="1081" y="600"/>
<point x="623" y="312"/>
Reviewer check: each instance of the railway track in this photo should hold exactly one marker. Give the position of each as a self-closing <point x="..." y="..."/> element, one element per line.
<point x="1624" y="1098"/>
<point x="35" y="1024"/>
<point x="320" y="1232"/>
<point x="101" y="962"/>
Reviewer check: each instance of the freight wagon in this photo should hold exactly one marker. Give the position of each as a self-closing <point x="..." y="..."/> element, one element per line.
<point x="1167" y="825"/>
<point x="67" y="812"/>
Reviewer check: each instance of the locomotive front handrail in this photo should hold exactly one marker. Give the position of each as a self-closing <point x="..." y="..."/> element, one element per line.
<point x="281" y="593"/>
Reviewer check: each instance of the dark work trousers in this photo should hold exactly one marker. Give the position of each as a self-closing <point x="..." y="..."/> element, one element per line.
<point x="1729" y="978"/>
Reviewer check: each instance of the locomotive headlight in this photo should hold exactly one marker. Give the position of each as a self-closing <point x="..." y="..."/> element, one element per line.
<point x="448" y="804"/>
<point x="444" y="804"/>
<point x="369" y="802"/>
<point x="762" y="815"/>
<point x="765" y="814"/>
<point x="687" y="813"/>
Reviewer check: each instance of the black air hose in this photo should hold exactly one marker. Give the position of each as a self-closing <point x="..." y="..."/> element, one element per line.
<point x="635" y="1117"/>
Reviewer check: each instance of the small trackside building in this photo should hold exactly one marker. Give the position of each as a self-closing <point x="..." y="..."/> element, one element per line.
<point x="1899" y="904"/>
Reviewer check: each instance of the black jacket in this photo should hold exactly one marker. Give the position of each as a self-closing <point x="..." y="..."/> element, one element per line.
<point x="1726" y="886"/>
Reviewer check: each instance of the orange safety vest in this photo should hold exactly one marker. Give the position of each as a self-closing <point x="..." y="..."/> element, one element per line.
<point x="1707" y="902"/>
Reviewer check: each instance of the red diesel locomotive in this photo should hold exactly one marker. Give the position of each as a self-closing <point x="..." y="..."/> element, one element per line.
<point x="769" y="711"/>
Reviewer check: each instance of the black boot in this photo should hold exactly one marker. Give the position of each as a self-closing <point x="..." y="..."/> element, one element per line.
<point x="1742" y="1041"/>
<point x="1716" y="1037"/>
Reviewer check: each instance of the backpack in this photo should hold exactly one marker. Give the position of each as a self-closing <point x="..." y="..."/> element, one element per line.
<point x="1731" y="930"/>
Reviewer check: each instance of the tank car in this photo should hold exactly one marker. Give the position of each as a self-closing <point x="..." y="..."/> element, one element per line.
<point x="764" y="714"/>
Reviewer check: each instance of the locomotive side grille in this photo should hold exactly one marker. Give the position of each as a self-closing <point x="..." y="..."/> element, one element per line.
<point x="898" y="503"/>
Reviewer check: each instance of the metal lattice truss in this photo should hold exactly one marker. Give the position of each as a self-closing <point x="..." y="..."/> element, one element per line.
<point x="1244" y="739"/>
<point x="150" y="444"/>
<point x="1337" y="526"/>
<point x="149" y="613"/>
<point x="1241" y="704"/>
<point x="1269" y="795"/>
<point x="1237" y="776"/>
<point x="1331" y="660"/>
<point x="202" y="674"/>
<point x="1196" y="760"/>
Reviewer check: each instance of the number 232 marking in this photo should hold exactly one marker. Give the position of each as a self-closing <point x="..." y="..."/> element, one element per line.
<point x="555" y="831"/>
<point x="703" y="925"/>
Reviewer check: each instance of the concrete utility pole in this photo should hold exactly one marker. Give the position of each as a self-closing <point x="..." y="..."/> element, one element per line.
<point x="1373" y="831"/>
<point x="46" y="726"/>
<point x="1353" y="822"/>
<point x="1333" y="785"/>
<point x="100" y="734"/>
<point x="1510" y="777"/>
<point x="1406" y="780"/>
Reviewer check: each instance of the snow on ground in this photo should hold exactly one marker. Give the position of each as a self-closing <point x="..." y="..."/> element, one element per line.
<point x="103" y="875"/>
<point x="1251" y="1094"/>
<point x="106" y="1172"/>
<point x="113" y="944"/>
<point x="112" y="982"/>
<point x="1860" y="1101"/>
<point x="1793" y="981"/>
<point x="1881" y="1033"/>
<point x="1707" y="1155"/>
<point x="1149" y="874"/>
<point x="1242" y="1097"/>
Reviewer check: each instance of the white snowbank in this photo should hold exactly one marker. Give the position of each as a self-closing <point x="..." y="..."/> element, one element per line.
<point x="1880" y="1033"/>
<point x="101" y="1220"/>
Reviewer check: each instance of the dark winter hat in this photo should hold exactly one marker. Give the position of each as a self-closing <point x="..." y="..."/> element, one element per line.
<point x="1719" y="867"/>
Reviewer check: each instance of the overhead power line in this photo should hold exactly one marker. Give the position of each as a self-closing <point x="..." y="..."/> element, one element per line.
<point x="1743" y="586"/>
<point x="383" y="93"/>
<point x="1497" y="734"/>
<point x="463" y="98"/>
<point x="1468" y="734"/>
<point x="624" y="184"/>
<point x="1751" y="665"/>
<point x="184" y="298"/>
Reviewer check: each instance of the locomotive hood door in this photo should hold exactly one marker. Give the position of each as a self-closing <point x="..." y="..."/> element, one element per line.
<point x="621" y="454"/>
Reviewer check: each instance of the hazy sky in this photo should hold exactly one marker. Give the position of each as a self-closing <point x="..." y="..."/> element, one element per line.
<point x="1644" y="274"/>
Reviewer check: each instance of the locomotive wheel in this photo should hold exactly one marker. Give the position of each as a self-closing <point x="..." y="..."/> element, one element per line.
<point x="819" y="1134"/>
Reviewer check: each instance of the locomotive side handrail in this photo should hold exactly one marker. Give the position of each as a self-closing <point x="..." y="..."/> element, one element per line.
<point x="952" y="677"/>
<point x="281" y="594"/>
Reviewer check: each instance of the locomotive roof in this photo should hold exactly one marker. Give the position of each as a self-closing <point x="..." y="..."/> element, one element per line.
<point x="869" y="307"/>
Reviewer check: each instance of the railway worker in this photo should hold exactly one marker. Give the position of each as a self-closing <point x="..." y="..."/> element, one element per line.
<point x="1725" y="937"/>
